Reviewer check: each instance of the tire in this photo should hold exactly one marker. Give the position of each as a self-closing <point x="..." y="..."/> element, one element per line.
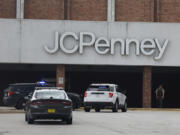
<point x="20" y="104"/>
<point x="73" y="106"/>
<point x="124" y="108"/>
<point x="86" y="109"/>
<point x="29" y="120"/>
<point x="26" y="117"/>
<point x="97" y="109"/>
<point x="69" y="121"/>
<point x="115" y="107"/>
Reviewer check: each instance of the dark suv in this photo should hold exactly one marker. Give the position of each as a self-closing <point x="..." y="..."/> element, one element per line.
<point x="15" y="95"/>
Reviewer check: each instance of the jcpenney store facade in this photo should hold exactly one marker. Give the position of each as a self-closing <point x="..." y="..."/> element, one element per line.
<point x="137" y="56"/>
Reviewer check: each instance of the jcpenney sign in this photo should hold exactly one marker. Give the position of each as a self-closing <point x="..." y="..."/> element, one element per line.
<point x="102" y="45"/>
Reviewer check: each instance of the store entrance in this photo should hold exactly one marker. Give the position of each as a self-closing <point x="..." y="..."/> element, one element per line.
<point x="78" y="78"/>
<point x="169" y="77"/>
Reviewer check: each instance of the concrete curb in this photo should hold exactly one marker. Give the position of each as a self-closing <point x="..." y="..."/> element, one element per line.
<point x="154" y="109"/>
<point x="11" y="111"/>
<point x="148" y="109"/>
<point x="8" y="110"/>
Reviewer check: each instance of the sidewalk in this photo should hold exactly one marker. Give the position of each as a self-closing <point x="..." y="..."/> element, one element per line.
<point x="4" y="109"/>
<point x="154" y="109"/>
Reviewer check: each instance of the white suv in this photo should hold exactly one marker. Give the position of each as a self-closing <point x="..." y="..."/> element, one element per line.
<point x="104" y="96"/>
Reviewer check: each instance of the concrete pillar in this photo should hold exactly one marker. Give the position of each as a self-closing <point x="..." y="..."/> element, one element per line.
<point x="147" y="77"/>
<point x="111" y="10"/>
<point x="60" y="76"/>
<point x="19" y="9"/>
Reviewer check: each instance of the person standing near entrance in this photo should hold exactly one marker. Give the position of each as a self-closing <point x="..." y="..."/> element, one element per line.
<point x="160" y="96"/>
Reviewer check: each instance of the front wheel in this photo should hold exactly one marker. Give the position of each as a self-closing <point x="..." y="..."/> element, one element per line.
<point x="26" y="117"/>
<point x="86" y="109"/>
<point x="21" y="104"/>
<point x="124" y="108"/>
<point x="97" y="109"/>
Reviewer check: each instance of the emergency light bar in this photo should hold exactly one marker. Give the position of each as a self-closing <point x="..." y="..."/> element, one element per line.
<point x="41" y="88"/>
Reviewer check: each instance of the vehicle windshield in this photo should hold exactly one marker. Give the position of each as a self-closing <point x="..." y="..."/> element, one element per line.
<point x="99" y="88"/>
<point x="49" y="95"/>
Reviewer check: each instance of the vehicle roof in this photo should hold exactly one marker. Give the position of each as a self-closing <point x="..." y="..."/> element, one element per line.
<point x="45" y="90"/>
<point x="42" y="90"/>
<point x="97" y="84"/>
<point x="48" y="88"/>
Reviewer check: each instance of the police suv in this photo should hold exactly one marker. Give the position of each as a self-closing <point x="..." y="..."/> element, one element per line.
<point x="105" y="96"/>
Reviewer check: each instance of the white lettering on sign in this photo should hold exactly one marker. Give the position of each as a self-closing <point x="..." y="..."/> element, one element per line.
<point x="62" y="46"/>
<point x="103" y="46"/>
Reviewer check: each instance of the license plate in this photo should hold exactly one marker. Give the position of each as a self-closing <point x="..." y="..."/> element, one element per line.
<point x="97" y="96"/>
<point x="51" y="111"/>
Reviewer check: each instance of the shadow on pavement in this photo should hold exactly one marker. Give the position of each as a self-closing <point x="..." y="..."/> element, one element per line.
<point x="105" y="111"/>
<point x="49" y="122"/>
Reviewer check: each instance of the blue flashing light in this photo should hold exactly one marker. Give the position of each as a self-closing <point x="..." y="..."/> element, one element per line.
<point x="41" y="83"/>
<point x="102" y="87"/>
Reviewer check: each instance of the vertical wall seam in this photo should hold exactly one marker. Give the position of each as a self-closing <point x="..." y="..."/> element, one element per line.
<point x="65" y="10"/>
<point x="155" y="10"/>
<point x="158" y="10"/>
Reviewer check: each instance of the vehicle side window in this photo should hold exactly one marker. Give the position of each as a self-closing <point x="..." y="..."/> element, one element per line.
<point x="116" y="88"/>
<point x="112" y="89"/>
<point x="19" y="88"/>
<point x="29" y="88"/>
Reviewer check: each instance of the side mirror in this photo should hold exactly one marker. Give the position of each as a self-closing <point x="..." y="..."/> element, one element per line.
<point x="28" y="96"/>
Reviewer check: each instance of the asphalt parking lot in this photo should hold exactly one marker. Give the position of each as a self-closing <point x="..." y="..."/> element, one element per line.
<point x="103" y="123"/>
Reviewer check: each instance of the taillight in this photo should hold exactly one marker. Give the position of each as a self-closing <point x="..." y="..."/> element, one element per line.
<point x="67" y="103"/>
<point x="10" y="93"/>
<point x="85" y="94"/>
<point x="34" y="103"/>
<point x="110" y="94"/>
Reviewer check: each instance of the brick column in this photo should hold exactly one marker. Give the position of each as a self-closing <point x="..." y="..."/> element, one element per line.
<point x="60" y="69"/>
<point x="147" y="77"/>
<point x="60" y="76"/>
